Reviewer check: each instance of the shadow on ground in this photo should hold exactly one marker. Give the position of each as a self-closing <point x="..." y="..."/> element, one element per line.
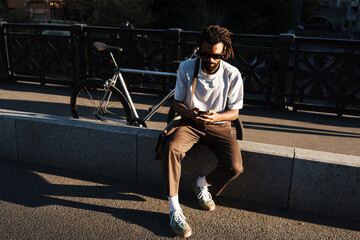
<point x="20" y="185"/>
<point x="295" y="129"/>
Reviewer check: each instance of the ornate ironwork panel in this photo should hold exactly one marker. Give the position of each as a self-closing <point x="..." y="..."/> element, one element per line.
<point x="34" y="55"/>
<point x="256" y="68"/>
<point x="256" y="61"/>
<point x="326" y="77"/>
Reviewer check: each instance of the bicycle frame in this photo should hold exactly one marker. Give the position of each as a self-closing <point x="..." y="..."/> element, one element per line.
<point x="117" y="76"/>
<point x="129" y="108"/>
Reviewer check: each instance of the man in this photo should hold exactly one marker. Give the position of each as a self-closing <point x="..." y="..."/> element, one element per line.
<point x="216" y="101"/>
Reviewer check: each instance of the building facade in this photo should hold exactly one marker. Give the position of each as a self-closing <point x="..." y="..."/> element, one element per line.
<point x="335" y="18"/>
<point x="37" y="9"/>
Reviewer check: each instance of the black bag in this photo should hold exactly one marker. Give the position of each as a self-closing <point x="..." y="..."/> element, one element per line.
<point x="176" y="122"/>
<point x="164" y="136"/>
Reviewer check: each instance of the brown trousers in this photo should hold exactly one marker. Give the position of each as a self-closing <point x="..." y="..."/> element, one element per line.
<point x="218" y="138"/>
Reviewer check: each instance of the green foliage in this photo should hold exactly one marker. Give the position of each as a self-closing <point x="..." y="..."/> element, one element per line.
<point x="115" y="12"/>
<point x="185" y="14"/>
<point x="308" y="8"/>
<point x="80" y="10"/>
<point x="262" y="17"/>
<point x="244" y="16"/>
<point x="240" y="16"/>
<point x="11" y="15"/>
<point x="110" y="12"/>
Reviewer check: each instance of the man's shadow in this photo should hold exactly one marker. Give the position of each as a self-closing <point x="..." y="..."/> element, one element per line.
<point x="20" y="185"/>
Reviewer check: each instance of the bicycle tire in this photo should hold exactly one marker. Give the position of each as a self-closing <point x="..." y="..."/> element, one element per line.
<point x="86" y="97"/>
<point x="237" y="128"/>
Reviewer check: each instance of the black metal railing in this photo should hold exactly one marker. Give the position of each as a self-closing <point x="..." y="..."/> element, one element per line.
<point x="325" y="75"/>
<point x="279" y="70"/>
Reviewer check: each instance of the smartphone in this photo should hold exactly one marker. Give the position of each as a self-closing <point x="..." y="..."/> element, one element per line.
<point x="201" y="113"/>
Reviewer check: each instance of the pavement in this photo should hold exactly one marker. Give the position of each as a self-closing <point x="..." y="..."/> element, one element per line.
<point x="309" y="130"/>
<point x="37" y="202"/>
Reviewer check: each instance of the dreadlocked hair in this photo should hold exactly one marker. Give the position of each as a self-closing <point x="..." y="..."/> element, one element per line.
<point x="214" y="35"/>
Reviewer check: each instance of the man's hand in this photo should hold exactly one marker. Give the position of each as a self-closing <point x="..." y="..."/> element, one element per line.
<point x="192" y="113"/>
<point x="207" y="118"/>
<point x="212" y="116"/>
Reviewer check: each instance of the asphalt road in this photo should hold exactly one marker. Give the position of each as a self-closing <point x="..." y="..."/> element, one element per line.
<point x="309" y="130"/>
<point x="44" y="203"/>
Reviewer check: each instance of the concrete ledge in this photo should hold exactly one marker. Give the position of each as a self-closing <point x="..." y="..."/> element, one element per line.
<point x="326" y="184"/>
<point x="62" y="142"/>
<point x="149" y="170"/>
<point x="283" y="177"/>
<point x="8" y="147"/>
<point x="267" y="175"/>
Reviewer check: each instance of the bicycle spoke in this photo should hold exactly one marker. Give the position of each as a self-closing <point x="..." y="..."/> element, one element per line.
<point x="91" y="101"/>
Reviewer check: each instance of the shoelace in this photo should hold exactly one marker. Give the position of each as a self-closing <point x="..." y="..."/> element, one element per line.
<point x="178" y="217"/>
<point x="204" y="194"/>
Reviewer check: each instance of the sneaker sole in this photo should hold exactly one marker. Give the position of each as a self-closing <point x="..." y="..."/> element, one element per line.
<point x="183" y="234"/>
<point x="208" y="207"/>
<point x="203" y="206"/>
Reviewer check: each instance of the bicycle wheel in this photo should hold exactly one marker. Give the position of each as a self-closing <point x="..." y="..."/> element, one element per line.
<point x="237" y="128"/>
<point x="87" y="96"/>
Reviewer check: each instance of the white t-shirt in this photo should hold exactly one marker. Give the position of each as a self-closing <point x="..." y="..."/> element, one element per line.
<point x="223" y="89"/>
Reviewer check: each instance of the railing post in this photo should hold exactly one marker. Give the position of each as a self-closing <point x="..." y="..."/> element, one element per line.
<point x="77" y="38"/>
<point x="285" y="41"/>
<point x="4" y="69"/>
<point x="172" y="53"/>
<point x="173" y="41"/>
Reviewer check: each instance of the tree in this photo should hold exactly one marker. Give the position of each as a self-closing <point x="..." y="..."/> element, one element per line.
<point x="3" y="8"/>
<point x="115" y="12"/>
<point x="110" y="12"/>
<point x="308" y="8"/>
<point x="185" y="14"/>
<point x="80" y="10"/>
<point x="245" y="16"/>
<point x="12" y="15"/>
<point x="261" y="17"/>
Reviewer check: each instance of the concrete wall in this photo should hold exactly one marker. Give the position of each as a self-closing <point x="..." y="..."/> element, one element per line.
<point x="289" y="178"/>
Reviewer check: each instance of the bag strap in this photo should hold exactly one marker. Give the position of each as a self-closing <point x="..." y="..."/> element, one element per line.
<point x="193" y="85"/>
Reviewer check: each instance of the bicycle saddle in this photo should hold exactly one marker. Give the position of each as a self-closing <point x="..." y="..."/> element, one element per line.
<point x="102" y="47"/>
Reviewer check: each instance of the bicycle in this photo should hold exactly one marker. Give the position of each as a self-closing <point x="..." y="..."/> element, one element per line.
<point x="110" y="100"/>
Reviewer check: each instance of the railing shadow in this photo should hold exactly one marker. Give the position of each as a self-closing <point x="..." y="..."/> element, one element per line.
<point x="26" y="188"/>
<point x="302" y="116"/>
<point x="188" y="199"/>
<point x="50" y="89"/>
<point x="296" y="129"/>
<point x="58" y="109"/>
<point x="51" y="108"/>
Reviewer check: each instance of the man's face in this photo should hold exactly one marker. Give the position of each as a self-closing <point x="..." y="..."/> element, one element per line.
<point x="211" y="55"/>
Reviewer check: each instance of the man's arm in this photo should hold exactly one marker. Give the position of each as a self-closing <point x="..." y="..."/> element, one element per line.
<point x="185" y="112"/>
